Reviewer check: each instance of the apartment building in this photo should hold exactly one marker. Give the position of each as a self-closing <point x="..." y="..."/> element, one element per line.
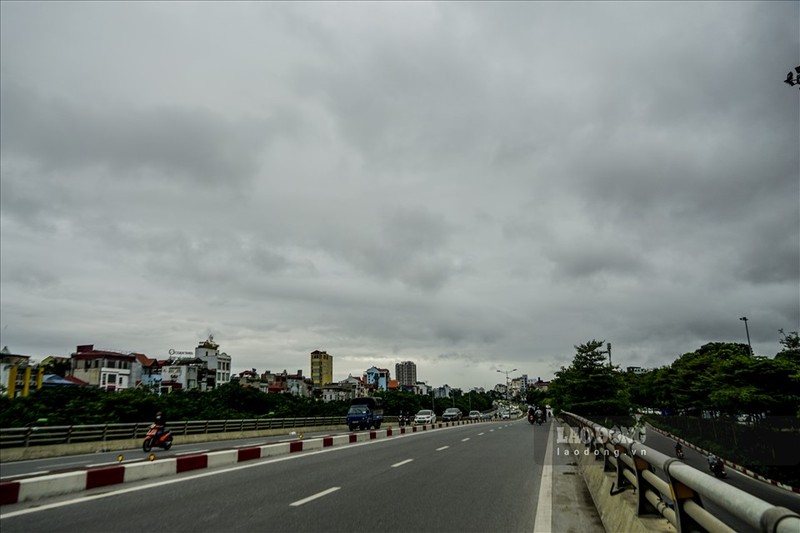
<point x="321" y="368"/>
<point x="406" y="373"/>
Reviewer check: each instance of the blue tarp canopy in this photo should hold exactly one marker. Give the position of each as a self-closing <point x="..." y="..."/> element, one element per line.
<point x="52" y="380"/>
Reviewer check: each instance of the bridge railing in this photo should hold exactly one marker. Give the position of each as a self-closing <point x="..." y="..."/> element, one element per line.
<point x="680" y="498"/>
<point x="49" y="435"/>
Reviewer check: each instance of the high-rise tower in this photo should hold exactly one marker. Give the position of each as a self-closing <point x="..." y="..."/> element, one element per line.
<point x="321" y="368"/>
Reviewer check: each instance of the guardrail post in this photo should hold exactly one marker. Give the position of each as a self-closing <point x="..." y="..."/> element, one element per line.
<point x="643" y="505"/>
<point x="681" y="494"/>
<point x="68" y="439"/>
<point x="622" y="481"/>
<point x="28" y="434"/>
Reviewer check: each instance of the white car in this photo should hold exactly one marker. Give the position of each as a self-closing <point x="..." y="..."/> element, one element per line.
<point x="426" y="416"/>
<point x="474" y="415"/>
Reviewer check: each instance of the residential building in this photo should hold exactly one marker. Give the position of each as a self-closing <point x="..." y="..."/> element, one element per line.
<point x="442" y="392"/>
<point x="406" y="373"/>
<point x="541" y="385"/>
<point x="218" y="363"/>
<point x="105" y="369"/>
<point x="146" y="374"/>
<point x="184" y="373"/>
<point x="13" y="371"/>
<point x="321" y="368"/>
<point x="519" y="386"/>
<point x="422" y="388"/>
<point x="297" y="385"/>
<point x="377" y="378"/>
<point x="347" y="389"/>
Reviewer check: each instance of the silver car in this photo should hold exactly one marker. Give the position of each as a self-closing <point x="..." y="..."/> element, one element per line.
<point x="426" y="416"/>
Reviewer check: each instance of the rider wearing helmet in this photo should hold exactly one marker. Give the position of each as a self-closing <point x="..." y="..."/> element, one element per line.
<point x="161" y="423"/>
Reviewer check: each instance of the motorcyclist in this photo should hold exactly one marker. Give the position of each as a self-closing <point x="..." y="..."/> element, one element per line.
<point x="711" y="460"/>
<point x="160" y="422"/>
<point x="678" y="449"/>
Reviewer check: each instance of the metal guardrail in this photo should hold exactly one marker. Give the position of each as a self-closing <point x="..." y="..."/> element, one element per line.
<point x="680" y="498"/>
<point x="49" y="435"/>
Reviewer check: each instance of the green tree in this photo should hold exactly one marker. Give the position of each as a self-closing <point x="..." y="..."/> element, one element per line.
<point x="590" y="386"/>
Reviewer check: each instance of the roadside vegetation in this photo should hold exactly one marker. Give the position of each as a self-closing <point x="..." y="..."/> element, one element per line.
<point x="720" y="397"/>
<point x="62" y="406"/>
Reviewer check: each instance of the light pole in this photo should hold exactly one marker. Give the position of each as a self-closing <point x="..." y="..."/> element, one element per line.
<point x="507" y="372"/>
<point x="747" y="330"/>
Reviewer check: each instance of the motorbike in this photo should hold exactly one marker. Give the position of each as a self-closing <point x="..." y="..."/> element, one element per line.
<point x="153" y="439"/>
<point x="533" y="419"/>
<point x="679" y="452"/>
<point x="718" y="469"/>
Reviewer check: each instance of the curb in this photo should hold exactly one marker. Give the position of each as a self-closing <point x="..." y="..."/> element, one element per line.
<point x="35" y="488"/>
<point x="731" y="464"/>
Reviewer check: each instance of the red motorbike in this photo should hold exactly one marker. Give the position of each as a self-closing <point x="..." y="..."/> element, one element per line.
<point x="157" y="437"/>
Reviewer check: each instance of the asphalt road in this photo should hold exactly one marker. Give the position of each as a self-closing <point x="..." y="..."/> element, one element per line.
<point x="481" y="477"/>
<point x="765" y="491"/>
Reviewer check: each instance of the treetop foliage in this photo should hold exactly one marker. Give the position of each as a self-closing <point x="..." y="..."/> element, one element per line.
<point x="719" y="378"/>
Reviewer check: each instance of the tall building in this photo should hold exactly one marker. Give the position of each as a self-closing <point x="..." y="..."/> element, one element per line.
<point x="219" y="363"/>
<point x="406" y="373"/>
<point x="321" y="368"/>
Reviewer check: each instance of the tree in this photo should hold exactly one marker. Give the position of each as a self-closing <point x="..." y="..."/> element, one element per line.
<point x="791" y="347"/>
<point x="590" y="386"/>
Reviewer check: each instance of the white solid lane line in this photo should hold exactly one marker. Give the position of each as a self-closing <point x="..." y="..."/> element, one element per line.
<point x="401" y="463"/>
<point x="543" y="521"/>
<point x="193" y="451"/>
<point x="314" y="497"/>
<point x="113" y="463"/>
<point x="25" y="474"/>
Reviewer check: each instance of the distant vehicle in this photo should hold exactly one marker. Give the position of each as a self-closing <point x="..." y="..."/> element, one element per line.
<point x="451" y="414"/>
<point x="365" y="413"/>
<point x="474" y="415"/>
<point x="426" y="416"/>
<point x="486" y="416"/>
<point x="505" y="414"/>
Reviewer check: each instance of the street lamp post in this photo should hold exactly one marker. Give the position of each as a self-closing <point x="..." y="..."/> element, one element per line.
<point x="507" y="372"/>
<point x="747" y="330"/>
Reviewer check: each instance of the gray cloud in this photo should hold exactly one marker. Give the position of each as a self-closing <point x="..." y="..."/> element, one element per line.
<point x="474" y="186"/>
<point x="170" y="142"/>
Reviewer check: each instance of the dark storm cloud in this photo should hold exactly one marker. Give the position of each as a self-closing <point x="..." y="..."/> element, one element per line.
<point x="195" y="145"/>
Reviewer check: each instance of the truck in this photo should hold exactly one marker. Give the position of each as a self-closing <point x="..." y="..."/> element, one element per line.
<point x="365" y="413"/>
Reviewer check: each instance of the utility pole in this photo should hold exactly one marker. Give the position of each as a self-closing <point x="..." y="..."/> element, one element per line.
<point x="747" y="330"/>
<point x="609" y="353"/>
<point x="507" y="372"/>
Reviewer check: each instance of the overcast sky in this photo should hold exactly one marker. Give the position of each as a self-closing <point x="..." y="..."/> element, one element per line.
<point x="470" y="186"/>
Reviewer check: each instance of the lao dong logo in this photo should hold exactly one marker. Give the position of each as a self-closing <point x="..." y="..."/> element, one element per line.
<point x="601" y="436"/>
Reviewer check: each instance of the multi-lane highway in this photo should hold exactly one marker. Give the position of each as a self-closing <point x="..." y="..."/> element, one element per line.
<point x="479" y="477"/>
<point x="493" y="476"/>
